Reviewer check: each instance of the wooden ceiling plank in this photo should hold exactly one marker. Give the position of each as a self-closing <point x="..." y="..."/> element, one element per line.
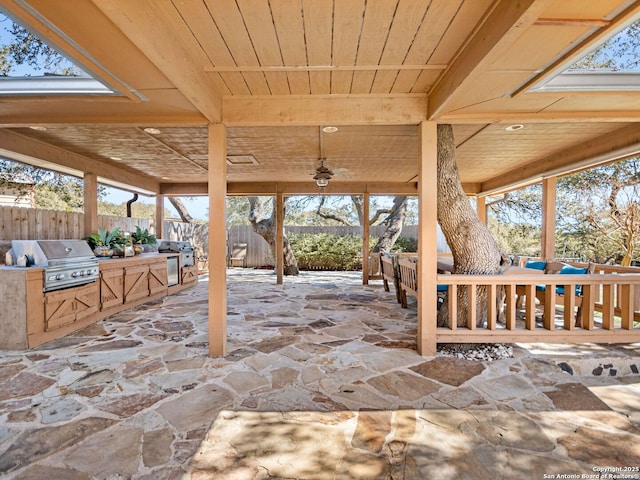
<point x="208" y="36"/>
<point x="505" y="24"/>
<point x="406" y="23"/>
<point x="158" y="30"/>
<point x="437" y="19"/>
<point x="318" y="26"/>
<point x="257" y="17"/>
<point x="603" y="149"/>
<point x="310" y="188"/>
<point x="37" y="150"/>
<point x="347" y="24"/>
<point x="230" y="23"/>
<point x="378" y="18"/>
<point x="325" y="110"/>
<point x="289" y="26"/>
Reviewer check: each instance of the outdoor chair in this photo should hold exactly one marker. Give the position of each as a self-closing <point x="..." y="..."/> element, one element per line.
<point x="560" y="289"/>
<point x="238" y="254"/>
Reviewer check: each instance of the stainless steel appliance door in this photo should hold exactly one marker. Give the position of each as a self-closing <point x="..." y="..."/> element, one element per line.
<point x="173" y="275"/>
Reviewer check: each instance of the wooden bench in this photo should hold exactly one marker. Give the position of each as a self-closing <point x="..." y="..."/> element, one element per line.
<point x="555" y="268"/>
<point x="407" y="279"/>
<point x="389" y="271"/>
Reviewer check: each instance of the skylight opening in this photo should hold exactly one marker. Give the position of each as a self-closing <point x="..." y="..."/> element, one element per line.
<point x="614" y="66"/>
<point x="29" y="66"/>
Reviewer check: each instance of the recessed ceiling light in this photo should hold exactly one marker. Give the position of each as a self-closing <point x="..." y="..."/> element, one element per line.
<point x="38" y="128"/>
<point x="515" y="127"/>
<point x="117" y="159"/>
<point x="330" y="129"/>
<point x="152" y="131"/>
<point x="241" y="160"/>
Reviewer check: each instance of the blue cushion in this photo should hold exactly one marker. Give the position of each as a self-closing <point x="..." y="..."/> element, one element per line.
<point x="442" y="288"/>
<point x="535" y="265"/>
<point x="569" y="270"/>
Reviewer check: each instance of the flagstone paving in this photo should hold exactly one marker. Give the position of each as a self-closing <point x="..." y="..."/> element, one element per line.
<point x="321" y="381"/>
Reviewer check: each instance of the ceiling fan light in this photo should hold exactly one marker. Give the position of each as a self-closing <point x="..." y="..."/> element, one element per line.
<point x="322" y="182"/>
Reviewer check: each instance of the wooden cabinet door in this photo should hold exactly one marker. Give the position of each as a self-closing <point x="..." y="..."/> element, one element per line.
<point x="59" y="309"/>
<point x="111" y="288"/>
<point x="136" y="283"/>
<point x="87" y="300"/>
<point x="189" y="274"/>
<point x="64" y="307"/>
<point x="158" y="280"/>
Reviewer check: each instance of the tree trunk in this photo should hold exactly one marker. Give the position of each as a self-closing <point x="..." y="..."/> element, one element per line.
<point x="475" y="252"/>
<point x="266" y="228"/>
<point x="181" y="209"/>
<point x="394" y="222"/>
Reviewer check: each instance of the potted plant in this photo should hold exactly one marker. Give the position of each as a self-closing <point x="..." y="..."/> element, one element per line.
<point x="103" y="241"/>
<point x="143" y="237"/>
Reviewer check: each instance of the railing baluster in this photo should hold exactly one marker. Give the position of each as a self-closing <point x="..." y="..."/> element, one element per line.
<point x="588" y="306"/>
<point x="550" y="307"/>
<point x="530" y="307"/>
<point x="510" y="291"/>
<point x="492" y="306"/>
<point x="626" y="306"/>
<point x="607" y="307"/>
<point x="569" y="306"/>
<point x="453" y="307"/>
<point x="472" y="298"/>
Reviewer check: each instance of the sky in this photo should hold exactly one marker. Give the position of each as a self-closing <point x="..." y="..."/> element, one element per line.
<point x="197" y="206"/>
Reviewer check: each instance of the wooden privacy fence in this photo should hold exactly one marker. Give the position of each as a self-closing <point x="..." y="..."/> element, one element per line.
<point x="609" y="309"/>
<point x="35" y="224"/>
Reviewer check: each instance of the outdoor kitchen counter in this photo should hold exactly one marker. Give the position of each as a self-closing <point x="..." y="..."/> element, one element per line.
<point x="29" y="317"/>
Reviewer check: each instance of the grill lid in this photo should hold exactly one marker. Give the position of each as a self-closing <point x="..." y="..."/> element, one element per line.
<point x="52" y="252"/>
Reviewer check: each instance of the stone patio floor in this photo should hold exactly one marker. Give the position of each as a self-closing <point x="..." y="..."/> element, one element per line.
<point x="321" y="381"/>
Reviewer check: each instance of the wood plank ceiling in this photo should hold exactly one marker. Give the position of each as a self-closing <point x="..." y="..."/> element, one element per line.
<point x="276" y="71"/>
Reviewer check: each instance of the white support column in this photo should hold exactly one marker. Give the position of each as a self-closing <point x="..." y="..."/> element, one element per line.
<point x="548" y="250"/>
<point x="279" y="238"/>
<point x="90" y="203"/>
<point x="365" y="239"/>
<point x="159" y="227"/>
<point x="427" y="238"/>
<point x="217" y="240"/>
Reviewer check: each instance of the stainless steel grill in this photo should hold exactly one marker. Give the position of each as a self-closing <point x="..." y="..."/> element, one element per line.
<point x="185" y="249"/>
<point x="66" y="263"/>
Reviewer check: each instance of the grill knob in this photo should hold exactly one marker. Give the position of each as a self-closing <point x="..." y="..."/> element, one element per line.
<point x="74" y="274"/>
<point x="82" y="272"/>
<point x="59" y="276"/>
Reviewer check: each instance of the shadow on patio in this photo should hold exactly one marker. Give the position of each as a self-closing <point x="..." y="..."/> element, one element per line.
<point x="322" y="380"/>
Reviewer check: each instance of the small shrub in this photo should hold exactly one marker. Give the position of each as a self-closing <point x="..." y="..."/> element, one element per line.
<point x="323" y="251"/>
<point x="404" y="244"/>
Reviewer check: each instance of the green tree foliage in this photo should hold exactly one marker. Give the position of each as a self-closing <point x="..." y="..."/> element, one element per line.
<point x="606" y="206"/>
<point x="621" y="52"/>
<point x="24" y="48"/>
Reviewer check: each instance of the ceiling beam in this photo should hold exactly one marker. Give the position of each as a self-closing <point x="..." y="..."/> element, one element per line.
<point x="293" y="188"/>
<point x="390" y="109"/>
<point x="323" y="68"/>
<point x="506" y="22"/>
<point x="34" y="152"/>
<point x="620" y="144"/>
<point x="160" y="33"/>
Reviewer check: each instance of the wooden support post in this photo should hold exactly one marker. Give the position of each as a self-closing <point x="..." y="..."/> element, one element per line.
<point x="548" y="250"/>
<point x="365" y="239"/>
<point x="427" y="238"/>
<point x="90" y="203"/>
<point x="159" y="227"/>
<point x="279" y="238"/>
<point x="217" y="240"/>
<point x="481" y="208"/>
